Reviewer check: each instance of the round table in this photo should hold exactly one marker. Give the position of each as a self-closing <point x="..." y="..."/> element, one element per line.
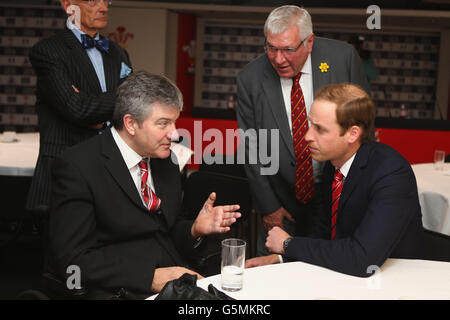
<point x="396" y="279"/>
<point x="18" y="158"/>
<point x="434" y="196"/>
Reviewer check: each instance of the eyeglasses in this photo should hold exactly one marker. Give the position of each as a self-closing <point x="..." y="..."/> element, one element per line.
<point x="94" y="3"/>
<point x="287" y="52"/>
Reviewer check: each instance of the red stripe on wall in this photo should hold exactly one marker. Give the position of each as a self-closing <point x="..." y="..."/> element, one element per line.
<point x="448" y="109"/>
<point x="417" y="146"/>
<point x="186" y="60"/>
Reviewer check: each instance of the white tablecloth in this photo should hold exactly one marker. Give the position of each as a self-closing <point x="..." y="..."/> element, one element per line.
<point x="397" y="279"/>
<point x="434" y="196"/>
<point x="19" y="158"/>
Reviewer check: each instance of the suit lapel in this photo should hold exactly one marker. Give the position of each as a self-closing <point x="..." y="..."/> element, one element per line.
<point x="272" y="88"/>
<point x="355" y="173"/>
<point x="111" y="67"/>
<point x="160" y="176"/>
<point x="318" y="56"/>
<point x="80" y="57"/>
<point x="117" y="168"/>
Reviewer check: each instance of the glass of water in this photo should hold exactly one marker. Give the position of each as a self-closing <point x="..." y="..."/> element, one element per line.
<point x="233" y="262"/>
<point x="439" y="157"/>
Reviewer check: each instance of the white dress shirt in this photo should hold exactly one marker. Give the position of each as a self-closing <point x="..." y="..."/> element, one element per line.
<point x="132" y="160"/>
<point x="346" y="166"/>
<point x="94" y="55"/>
<point x="306" y="83"/>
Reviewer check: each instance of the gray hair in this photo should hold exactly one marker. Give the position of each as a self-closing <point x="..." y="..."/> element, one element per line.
<point x="284" y="17"/>
<point x="139" y="91"/>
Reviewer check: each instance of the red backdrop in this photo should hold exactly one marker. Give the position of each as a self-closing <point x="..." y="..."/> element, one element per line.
<point x="417" y="146"/>
<point x="186" y="60"/>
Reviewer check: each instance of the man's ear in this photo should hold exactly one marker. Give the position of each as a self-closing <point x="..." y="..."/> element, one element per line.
<point x="130" y="124"/>
<point x="65" y="4"/>
<point x="354" y="134"/>
<point x="310" y="42"/>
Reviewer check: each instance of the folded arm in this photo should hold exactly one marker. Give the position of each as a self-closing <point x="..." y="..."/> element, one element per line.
<point x="63" y="95"/>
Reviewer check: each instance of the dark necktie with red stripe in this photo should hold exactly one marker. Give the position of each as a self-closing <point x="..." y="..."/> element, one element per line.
<point x="151" y="200"/>
<point x="304" y="179"/>
<point x="336" y="190"/>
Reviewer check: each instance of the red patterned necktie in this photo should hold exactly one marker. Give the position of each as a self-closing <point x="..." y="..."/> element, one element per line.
<point x="336" y="190"/>
<point x="151" y="200"/>
<point x="304" y="178"/>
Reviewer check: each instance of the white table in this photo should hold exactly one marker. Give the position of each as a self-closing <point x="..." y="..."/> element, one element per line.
<point x="397" y="279"/>
<point x="434" y="196"/>
<point x="19" y="158"/>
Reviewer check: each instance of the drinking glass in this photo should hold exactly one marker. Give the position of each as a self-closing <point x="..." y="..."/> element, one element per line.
<point x="233" y="262"/>
<point x="439" y="157"/>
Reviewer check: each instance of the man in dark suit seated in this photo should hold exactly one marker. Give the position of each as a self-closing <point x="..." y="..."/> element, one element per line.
<point x="77" y="72"/>
<point x="372" y="209"/>
<point x="116" y="199"/>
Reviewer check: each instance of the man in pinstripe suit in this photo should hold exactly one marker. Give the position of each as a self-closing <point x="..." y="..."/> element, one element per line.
<point x="76" y="87"/>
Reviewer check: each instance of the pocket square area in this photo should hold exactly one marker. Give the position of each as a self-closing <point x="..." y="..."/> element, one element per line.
<point x="124" y="70"/>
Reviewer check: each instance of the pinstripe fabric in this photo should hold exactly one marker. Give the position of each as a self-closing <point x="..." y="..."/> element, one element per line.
<point x="65" y="116"/>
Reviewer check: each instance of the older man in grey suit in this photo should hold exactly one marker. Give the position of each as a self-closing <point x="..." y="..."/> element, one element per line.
<point x="275" y="92"/>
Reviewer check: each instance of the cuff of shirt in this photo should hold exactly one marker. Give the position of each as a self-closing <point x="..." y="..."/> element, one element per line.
<point x="281" y="258"/>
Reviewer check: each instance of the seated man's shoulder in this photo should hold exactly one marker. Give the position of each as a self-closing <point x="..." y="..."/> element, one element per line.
<point x="386" y="156"/>
<point x="84" y="151"/>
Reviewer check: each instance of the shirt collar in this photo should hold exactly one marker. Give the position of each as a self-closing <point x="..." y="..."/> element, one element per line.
<point x="306" y="69"/>
<point x="77" y="32"/>
<point x="130" y="156"/>
<point x="346" y="166"/>
<point x="307" y="66"/>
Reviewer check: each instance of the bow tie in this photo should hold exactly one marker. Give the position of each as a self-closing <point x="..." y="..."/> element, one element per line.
<point x="88" y="42"/>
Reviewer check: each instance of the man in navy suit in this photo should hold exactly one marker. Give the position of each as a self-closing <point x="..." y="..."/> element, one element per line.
<point x="372" y="210"/>
<point x="77" y="72"/>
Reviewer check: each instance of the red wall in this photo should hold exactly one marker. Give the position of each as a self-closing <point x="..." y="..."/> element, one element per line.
<point x="197" y="135"/>
<point x="186" y="60"/>
<point x="417" y="146"/>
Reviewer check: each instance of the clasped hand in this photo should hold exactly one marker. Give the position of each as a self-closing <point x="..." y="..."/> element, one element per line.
<point x="274" y="244"/>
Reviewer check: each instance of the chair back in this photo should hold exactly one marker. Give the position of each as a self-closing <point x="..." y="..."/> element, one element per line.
<point x="229" y="190"/>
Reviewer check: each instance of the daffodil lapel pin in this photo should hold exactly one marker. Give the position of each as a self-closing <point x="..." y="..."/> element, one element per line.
<point x="324" y="67"/>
